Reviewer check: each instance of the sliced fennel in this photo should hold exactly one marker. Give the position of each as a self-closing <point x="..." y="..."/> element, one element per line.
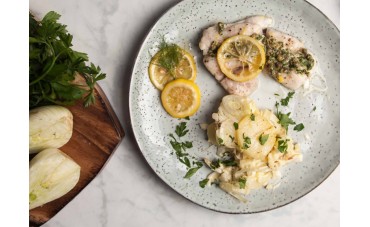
<point x="49" y="127"/>
<point x="237" y="130"/>
<point x="52" y="175"/>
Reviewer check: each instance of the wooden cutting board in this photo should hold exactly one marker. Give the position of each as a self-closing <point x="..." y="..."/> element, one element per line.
<point x="97" y="132"/>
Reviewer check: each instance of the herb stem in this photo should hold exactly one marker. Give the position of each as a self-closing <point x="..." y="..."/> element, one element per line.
<point x="48" y="70"/>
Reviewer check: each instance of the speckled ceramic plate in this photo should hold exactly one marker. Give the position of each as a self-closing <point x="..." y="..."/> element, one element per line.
<point x="183" y="24"/>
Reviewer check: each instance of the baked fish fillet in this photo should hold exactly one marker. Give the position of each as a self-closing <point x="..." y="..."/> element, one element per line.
<point x="213" y="37"/>
<point x="289" y="63"/>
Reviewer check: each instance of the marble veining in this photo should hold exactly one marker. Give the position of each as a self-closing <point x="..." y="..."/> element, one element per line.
<point x="127" y="192"/>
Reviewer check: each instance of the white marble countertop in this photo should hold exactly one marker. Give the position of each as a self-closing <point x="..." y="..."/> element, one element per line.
<point x="127" y="192"/>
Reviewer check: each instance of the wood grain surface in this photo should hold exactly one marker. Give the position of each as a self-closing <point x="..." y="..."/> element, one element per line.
<point x="97" y="132"/>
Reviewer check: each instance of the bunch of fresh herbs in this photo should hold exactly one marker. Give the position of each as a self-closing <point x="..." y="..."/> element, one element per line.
<point x="54" y="65"/>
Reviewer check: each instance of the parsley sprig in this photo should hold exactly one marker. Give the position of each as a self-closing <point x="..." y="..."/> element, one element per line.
<point x="253" y="117"/>
<point x="283" y="145"/>
<point x="180" y="148"/>
<point x="263" y="138"/>
<point x="230" y="161"/>
<point x="181" y="129"/>
<point x="299" y="127"/>
<point x="285" y="101"/>
<point x="246" y="142"/>
<point x="242" y="182"/>
<point x="54" y="65"/>
<point x="193" y="170"/>
<point x="203" y="183"/>
<point x="284" y="119"/>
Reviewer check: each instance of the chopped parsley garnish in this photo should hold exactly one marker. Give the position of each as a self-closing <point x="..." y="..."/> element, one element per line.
<point x="313" y="110"/>
<point x="193" y="170"/>
<point x="253" y="117"/>
<point x="187" y="144"/>
<point x="231" y="137"/>
<point x="203" y="183"/>
<point x="181" y="129"/>
<point x="229" y="162"/>
<point x="263" y="138"/>
<point x="185" y="161"/>
<point x="187" y="118"/>
<point x="283" y="145"/>
<point x="276" y="94"/>
<point x="236" y="126"/>
<point x="284" y="119"/>
<point x="285" y="102"/>
<point x="180" y="148"/>
<point x="247" y="142"/>
<point x="215" y="164"/>
<point x="299" y="127"/>
<point x="242" y="182"/>
<point x="220" y="141"/>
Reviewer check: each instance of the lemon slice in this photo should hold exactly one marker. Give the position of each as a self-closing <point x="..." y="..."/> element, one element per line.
<point x="241" y="58"/>
<point x="185" y="68"/>
<point x="181" y="98"/>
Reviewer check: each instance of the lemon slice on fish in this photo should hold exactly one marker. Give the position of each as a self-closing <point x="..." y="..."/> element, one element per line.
<point x="241" y="58"/>
<point x="164" y="68"/>
<point x="181" y="98"/>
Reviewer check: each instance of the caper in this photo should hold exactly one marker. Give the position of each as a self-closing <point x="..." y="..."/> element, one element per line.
<point x="280" y="57"/>
<point x="221" y="27"/>
<point x="278" y="65"/>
